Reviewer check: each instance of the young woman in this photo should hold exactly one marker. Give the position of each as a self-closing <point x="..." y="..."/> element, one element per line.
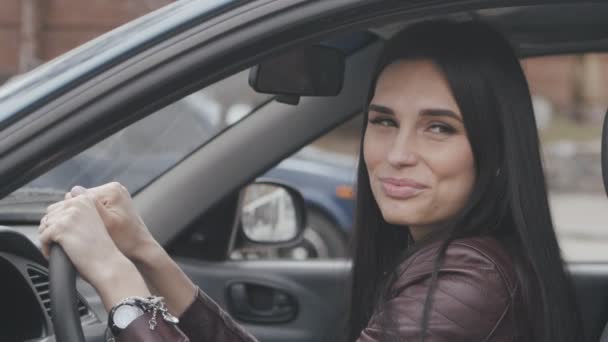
<point x="454" y="238"/>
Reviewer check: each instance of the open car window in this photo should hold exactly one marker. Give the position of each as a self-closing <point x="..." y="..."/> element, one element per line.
<point x="570" y="102"/>
<point x="141" y="152"/>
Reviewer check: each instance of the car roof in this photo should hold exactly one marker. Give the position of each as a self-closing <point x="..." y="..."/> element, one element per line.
<point x="539" y="29"/>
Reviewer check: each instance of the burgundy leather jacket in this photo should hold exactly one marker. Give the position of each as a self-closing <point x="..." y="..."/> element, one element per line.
<point x="473" y="301"/>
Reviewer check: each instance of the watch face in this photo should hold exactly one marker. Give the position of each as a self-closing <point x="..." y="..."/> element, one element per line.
<point x="125" y="314"/>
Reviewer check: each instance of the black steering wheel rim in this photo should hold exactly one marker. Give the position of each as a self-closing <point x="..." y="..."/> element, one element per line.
<point x="64" y="297"/>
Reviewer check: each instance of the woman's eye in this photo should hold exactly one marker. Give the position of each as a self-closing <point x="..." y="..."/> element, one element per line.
<point x="440" y="129"/>
<point x="384" y="122"/>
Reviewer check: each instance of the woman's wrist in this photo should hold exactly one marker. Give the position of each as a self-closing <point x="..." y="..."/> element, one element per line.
<point x="147" y="252"/>
<point x="118" y="280"/>
<point x="165" y="278"/>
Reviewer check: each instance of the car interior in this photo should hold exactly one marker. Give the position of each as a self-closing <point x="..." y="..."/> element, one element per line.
<point x="194" y="208"/>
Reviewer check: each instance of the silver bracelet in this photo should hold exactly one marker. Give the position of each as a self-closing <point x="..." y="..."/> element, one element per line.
<point x="157" y="304"/>
<point x="154" y="304"/>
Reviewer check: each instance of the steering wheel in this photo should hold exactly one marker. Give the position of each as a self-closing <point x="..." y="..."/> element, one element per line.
<point x="64" y="298"/>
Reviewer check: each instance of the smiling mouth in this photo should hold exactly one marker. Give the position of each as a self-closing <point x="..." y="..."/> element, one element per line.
<point x="401" y="188"/>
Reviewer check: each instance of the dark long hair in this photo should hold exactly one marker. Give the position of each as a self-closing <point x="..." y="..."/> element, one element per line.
<point x="509" y="196"/>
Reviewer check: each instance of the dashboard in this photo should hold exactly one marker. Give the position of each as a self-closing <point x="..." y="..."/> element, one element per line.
<point x="26" y="316"/>
<point x="24" y="293"/>
<point x="24" y="280"/>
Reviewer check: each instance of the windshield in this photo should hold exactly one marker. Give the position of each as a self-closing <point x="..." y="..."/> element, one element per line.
<point x="143" y="151"/>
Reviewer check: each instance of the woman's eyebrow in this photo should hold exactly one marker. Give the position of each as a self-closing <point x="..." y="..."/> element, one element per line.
<point x="424" y="112"/>
<point x="380" y="109"/>
<point x="440" y="112"/>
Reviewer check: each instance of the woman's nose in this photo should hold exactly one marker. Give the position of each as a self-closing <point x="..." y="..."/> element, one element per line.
<point x="403" y="151"/>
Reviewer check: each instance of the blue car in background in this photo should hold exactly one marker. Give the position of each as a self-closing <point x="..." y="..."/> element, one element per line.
<point x="139" y="153"/>
<point x="326" y="181"/>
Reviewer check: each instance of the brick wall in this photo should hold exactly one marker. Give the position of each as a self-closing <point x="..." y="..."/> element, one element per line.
<point x="570" y="82"/>
<point x="63" y="25"/>
<point x="9" y="37"/>
<point x="551" y="77"/>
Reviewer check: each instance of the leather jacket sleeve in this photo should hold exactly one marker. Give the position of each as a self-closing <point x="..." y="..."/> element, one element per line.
<point x="473" y="300"/>
<point x="202" y="321"/>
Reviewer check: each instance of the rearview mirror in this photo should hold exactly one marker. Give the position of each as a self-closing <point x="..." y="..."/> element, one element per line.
<point x="272" y="214"/>
<point x="315" y="70"/>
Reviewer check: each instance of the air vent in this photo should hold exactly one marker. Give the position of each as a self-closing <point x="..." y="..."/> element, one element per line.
<point x="40" y="279"/>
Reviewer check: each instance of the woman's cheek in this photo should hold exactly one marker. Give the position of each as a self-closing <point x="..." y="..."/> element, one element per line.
<point x="454" y="170"/>
<point x="376" y="145"/>
<point x="452" y="158"/>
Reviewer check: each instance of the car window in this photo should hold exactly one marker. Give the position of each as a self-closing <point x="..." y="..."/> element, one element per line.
<point x="569" y="99"/>
<point x="570" y="102"/>
<point x="139" y="153"/>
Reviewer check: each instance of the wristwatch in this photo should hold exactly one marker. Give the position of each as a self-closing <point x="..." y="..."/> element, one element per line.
<point x="123" y="314"/>
<point x="130" y="308"/>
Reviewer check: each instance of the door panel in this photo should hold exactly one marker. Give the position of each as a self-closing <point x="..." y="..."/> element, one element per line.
<point x="591" y="284"/>
<point x="316" y="289"/>
<point x="320" y="289"/>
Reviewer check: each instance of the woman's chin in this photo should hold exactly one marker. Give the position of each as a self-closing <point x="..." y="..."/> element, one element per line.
<point x="399" y="218"/>
<point x="401" y="213"/>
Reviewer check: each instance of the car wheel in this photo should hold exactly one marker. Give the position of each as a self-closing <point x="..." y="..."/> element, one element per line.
<point x="322" y="239"/>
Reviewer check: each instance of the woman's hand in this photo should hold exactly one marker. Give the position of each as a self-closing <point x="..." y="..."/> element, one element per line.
<point x="123" y="223"/>
<point x="76" y="225"/>
<point x="131" y="236"/>
<point x="78" y="228"/>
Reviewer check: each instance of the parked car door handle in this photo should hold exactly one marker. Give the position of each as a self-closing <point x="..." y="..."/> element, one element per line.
<point x="255" y="303"/>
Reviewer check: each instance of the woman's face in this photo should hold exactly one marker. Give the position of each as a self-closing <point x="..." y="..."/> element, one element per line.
<point x="420" y="164"/>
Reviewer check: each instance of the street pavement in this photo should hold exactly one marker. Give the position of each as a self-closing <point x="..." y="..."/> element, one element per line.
<point x="581" y="223"/>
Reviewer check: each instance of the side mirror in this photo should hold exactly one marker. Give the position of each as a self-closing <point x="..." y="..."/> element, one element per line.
<point x="272" y="214"/>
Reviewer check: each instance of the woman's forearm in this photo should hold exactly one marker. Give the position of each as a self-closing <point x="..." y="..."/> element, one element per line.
<point x="119" y="280"/>
<point x="165" y="278"/>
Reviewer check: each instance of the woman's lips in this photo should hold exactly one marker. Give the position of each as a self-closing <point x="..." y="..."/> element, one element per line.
<point x="401" y="188"/>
